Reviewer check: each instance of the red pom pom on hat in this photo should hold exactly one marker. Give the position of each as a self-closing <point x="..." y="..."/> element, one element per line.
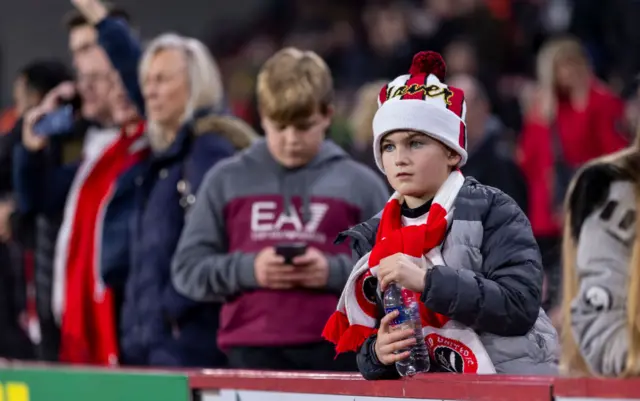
<point x="428" y="62"/>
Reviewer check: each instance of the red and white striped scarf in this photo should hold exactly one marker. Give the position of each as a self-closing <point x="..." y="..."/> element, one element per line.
<point x="356" y="316"/>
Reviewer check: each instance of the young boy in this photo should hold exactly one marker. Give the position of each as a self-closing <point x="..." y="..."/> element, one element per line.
<point x="464" y="249"/>
<point x="295" y="187"/>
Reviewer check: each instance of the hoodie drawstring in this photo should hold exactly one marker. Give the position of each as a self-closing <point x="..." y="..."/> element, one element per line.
<point x="303" y="190"/>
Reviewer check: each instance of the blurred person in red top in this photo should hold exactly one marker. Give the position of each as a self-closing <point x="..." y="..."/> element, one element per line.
<point x="573" y="119"/>
<point x="8" y="118"/>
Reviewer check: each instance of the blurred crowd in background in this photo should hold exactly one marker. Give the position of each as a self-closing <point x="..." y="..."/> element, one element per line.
<point x="549" y="85"/>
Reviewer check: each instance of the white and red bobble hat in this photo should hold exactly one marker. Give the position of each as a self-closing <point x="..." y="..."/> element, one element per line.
<point x="420" y="101"/>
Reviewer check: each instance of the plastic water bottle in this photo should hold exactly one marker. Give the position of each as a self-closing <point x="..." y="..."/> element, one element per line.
<point x="404" y="301"/>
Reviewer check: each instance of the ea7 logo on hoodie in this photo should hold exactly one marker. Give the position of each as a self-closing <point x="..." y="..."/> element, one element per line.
<point x="270" y="222"/>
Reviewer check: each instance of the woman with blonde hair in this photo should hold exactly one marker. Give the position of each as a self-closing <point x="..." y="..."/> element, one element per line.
<point x="573" y="118"/>
<point x="601" y="251"/>
<point x="179" y="88"/>
<point x="362" y="114"/>
<point x="361" y="120"/>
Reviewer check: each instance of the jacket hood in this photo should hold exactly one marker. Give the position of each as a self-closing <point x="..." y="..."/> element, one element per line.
<point x="208" y="122"/>
<point x="235" y="130"/>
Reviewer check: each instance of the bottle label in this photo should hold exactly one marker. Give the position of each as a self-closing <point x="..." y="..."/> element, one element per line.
<point x="405" y="310"/>
<point x="403" y="316"/>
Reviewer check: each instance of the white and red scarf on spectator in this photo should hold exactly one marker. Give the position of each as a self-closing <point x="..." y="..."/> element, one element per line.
<point x="452" y="346"/>
<point x="82" y="304"/>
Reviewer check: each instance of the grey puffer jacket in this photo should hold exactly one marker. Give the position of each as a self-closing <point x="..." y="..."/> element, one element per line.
<point x="492" y="282"/>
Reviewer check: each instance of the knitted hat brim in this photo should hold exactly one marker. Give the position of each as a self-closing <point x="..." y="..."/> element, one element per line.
<point x="417" y="115"/>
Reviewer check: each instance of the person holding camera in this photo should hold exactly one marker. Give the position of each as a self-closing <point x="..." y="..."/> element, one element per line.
<point x="89" y="266"/>
<point x="76" y="164"/>
<point x="260" y="236"/>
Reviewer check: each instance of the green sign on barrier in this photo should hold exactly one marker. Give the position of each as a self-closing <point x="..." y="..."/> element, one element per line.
<point x="90" y="385"/>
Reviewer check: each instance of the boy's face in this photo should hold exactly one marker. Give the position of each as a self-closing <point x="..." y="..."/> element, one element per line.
<point x="415" y="164"/>
<point x="296" y="144"/>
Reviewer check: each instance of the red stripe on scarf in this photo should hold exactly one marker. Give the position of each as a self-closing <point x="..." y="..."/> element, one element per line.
<point x="88" y="332"/>
<point x="336" y="326"/>
<point x="353" y="338"/>
<point x="414" y="241"/>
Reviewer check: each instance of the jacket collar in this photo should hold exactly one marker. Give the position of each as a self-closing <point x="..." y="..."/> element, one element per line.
<point x="183" y="139"/>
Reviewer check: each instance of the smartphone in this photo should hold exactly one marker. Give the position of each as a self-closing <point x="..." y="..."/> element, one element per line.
<point x="290" y="251"/>
<point x="58" y="122"/>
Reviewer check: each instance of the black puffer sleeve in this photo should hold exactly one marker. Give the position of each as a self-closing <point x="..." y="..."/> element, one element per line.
<point x="369" y="365"/>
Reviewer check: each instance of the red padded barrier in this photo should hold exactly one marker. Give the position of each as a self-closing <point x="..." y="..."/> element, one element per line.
<point x="434" y="386"/>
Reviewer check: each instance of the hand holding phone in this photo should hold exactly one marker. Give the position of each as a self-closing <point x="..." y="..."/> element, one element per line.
<point x="31" y="141"/>
<point x="65" y="92"/>
<point x="287" y="266"/>
<point x="312" y="268"/>
<point x="290" y="251"/>
<point x="58" y="122"/>
<point x="272" y="272"/>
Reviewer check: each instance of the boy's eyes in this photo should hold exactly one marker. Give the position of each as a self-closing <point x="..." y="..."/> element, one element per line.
<point x="389" y="147"/>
